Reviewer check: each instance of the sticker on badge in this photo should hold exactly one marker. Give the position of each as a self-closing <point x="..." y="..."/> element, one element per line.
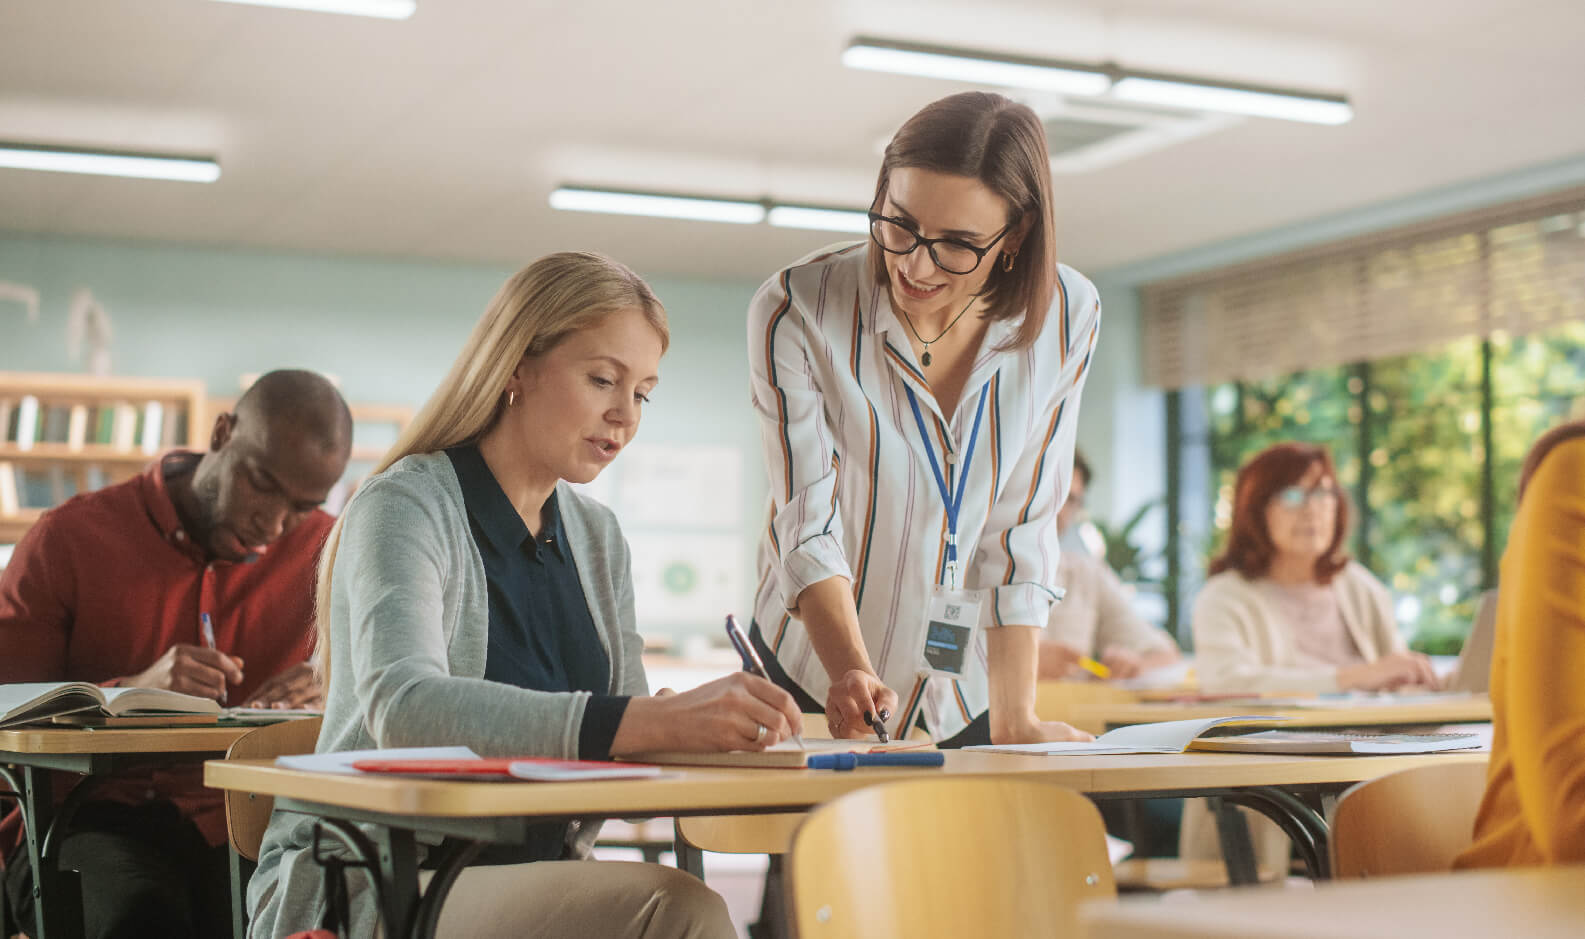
<point x="951" y="620"/>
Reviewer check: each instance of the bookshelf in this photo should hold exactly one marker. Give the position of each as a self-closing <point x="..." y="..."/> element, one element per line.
<point x="61" y="434"/>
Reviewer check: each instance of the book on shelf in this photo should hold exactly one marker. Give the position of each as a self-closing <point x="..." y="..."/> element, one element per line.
<point x="77" y="427"/>
<point x="55" y="423"/>
<point x="30" y="702"/>
<point x="8" y="410"/>
<point x="10" y="498"/>
<point x="149" y="427"/>
<point x="104" y="422"/>
<point x="27" y="422"/>
<point x="1338" y="742"/>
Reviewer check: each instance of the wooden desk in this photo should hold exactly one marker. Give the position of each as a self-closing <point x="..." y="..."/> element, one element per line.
<point x="502" y="812"/>
<point x="1536" y="903"/>
<point x="29" y="754"/>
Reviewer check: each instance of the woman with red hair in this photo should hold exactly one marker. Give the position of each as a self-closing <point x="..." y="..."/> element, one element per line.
<point x="1285" y="609"/>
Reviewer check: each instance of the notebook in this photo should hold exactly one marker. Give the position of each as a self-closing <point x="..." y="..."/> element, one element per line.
<point x="1331" y="742"/>
<point x="1158" y="737"/>
<point x="32" y="702"/>
<point x="534" y="769"/>
<point x="784" y="755"/>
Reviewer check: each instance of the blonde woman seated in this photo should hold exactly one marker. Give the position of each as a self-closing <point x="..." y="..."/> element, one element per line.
<point x="469" y="597"/>
<point x="1534" y="808"/>
<point x="1285" y="610"/>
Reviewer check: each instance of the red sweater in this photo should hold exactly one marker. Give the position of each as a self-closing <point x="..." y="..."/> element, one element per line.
<point x="102" y="585"/>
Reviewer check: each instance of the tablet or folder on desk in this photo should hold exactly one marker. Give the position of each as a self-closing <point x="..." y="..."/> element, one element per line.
<point x="532" y="769"/>
<point x="1159" y="737"/>
<point x="1337" y="743"/>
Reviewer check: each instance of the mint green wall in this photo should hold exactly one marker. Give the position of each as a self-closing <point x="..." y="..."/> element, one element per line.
<point x="387" y="329"/>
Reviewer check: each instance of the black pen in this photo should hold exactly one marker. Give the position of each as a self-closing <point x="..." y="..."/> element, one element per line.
<point x="751" y="660"/>
<point x="879" y="723"/>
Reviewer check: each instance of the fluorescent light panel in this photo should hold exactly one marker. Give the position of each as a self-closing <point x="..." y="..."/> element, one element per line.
<point x="1230" y="100"/>
<point x="818" y="219"/>
<point x="959" y="65"/>
<point x="382" y="9"/>
<point x="658" y="206"/>
<point x="1095" y="80"/>
<point x="137" y="165"/>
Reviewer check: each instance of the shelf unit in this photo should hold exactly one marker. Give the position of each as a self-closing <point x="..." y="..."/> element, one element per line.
<point x="88" y="408"/>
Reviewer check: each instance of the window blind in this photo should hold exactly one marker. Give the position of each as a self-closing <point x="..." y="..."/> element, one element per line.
<point x="1516" y="268"/>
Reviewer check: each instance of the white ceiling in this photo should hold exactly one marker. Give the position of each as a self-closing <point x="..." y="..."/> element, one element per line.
<point x="441" y="136"/>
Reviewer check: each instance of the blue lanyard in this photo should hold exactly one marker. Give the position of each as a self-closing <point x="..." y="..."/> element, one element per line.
<point x="953" y="501"/>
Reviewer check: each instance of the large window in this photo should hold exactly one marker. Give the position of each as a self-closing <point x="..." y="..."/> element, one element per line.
<point x="1428" y="360"/>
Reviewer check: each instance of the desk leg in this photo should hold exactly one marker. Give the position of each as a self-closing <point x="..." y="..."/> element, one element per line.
<point x="689" y="858"/>
<point x="1238" y="850"/>
<point x="1303" y="824"/>
<point x="57" y="894"/>
<point x="426" y="919"/>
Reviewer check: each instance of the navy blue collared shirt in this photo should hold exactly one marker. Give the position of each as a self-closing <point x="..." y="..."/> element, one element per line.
<point x="541" y="634"/>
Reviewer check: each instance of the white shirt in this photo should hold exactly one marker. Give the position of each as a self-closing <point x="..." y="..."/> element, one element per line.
<point x="1095" y="613"/>
<point x="852" y="493"/>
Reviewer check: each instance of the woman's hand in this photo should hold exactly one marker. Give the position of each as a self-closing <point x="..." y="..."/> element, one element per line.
<point x="1031" y="729"/>
<point x="738" y="712"/>
<point x="1123" y="662"/>
<point x="854" y="700"/>
<point x="1389" y="673"/>
<point x="1058" y="660"/>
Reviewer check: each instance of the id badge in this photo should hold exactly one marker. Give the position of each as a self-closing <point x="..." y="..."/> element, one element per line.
<point x="952" y="618"/>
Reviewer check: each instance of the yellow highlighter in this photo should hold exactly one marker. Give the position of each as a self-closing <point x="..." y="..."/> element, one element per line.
<point x="1094" y="668"/>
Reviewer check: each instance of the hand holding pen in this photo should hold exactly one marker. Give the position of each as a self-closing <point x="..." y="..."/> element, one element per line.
<point x="752" y="663"/>
<point x="859" y="704"/>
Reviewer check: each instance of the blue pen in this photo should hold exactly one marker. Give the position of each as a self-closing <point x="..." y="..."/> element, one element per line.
<point x="847" y="761"/>
<point x="751" y="659"/>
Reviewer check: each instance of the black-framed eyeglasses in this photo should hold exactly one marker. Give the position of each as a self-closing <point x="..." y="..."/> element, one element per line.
<point x="896" y="236"/>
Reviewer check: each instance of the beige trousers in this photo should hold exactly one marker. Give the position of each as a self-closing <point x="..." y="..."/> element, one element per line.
<point x="551" y="899"/>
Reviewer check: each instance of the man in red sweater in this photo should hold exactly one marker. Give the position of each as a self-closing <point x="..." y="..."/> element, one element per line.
<point x="114" y="587"/>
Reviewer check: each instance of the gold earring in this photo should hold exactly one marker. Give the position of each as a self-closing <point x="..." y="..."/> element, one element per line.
<point x="1007" y="259"/>
<point x="511" y="398"/>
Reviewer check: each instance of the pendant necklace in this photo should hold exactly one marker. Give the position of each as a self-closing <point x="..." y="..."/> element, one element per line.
<point x="924" y="359"/>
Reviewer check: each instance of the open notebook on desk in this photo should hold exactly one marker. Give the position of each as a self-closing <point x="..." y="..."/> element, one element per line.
<point x="1337" y="743"/>
<point x="34" y="702"/>
<point x="1159" y="737"/>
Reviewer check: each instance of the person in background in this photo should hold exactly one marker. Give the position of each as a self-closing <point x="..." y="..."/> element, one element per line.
<point x="470" y="597"/>
<point x="1095" y="618"/>
<point x="918" y="395"/>
<point x="113" y="587"/>
<point x="1284" y="609"/>
<point x="1533" y="811"/>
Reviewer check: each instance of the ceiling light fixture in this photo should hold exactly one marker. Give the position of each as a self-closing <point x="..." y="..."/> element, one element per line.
<point x="382" y="9"/>
<point x="657" y="205"/>
<point x="109" y="163"/>
<point x="903" y="58"/>
<point x="819" y="219"/>
<point x="1097" y="80"/>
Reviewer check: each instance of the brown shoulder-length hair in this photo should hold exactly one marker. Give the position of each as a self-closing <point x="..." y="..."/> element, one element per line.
<point x="1249" y="546"/>
<point x="1002" y="144"/>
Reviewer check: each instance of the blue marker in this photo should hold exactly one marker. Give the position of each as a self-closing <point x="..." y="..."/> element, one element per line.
<point x="847" y="761"/>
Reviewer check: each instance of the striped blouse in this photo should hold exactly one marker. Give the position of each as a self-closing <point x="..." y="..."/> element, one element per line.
<point x="851" y="489"/>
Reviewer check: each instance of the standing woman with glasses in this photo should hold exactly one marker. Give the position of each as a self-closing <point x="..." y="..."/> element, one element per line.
<point x="1285" y="610"/>
<point x="918" y="393"/>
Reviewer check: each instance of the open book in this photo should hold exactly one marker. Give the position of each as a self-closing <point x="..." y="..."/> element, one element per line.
<point x="1296" y="741"/>
<point x="1159" y="737"/>
<point x="32" y="702"/>
<point x="784" y="755"/>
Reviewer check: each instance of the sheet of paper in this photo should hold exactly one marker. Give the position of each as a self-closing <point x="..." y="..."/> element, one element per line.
<point x="1158" y="737"/>
<point x="342" y="762"/>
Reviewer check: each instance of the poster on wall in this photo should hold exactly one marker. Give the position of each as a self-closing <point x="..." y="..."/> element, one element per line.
<point x="686" y="579"/>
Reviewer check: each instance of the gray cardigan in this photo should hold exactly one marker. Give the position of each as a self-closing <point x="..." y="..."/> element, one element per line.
<point x="408" y="630"/>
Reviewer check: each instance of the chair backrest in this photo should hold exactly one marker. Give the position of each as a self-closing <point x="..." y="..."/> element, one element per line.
<point x="948" y="857"/>
<point x="1473" y="672"/>
<point x="248" y="813"/>
<point x="1414" y="821"/>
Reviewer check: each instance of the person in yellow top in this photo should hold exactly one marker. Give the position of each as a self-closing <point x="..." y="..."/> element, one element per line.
<point x="1534" y="808"/>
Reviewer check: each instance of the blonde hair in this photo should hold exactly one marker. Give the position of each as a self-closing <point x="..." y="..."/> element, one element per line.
<point x="542" y="304"/>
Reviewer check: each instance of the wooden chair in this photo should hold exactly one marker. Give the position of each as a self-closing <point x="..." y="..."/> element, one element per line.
<point x="948" y="857"/>
<point x="247" y="813"/>
<point x="1414" y="821"/>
